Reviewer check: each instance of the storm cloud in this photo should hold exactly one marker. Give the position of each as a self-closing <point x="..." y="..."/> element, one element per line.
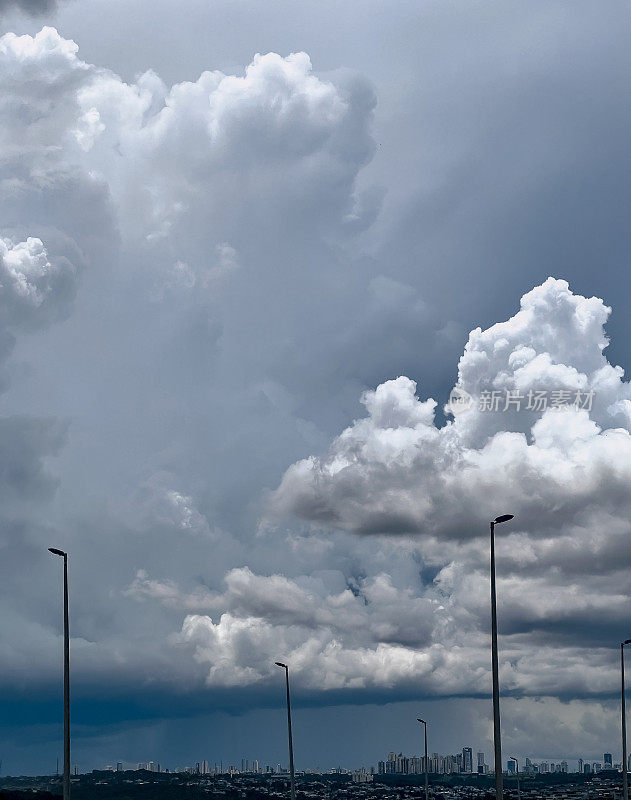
<point x="33" y="7"/>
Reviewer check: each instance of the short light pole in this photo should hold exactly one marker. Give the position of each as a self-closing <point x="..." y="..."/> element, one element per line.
<point x="66" y="778"/>
<point x="517" y="773"/>
<point x="497" y="735"/>
<point x="625" y="783"/>
<point x="292" y="778"/>
<point x="422" y="721"/>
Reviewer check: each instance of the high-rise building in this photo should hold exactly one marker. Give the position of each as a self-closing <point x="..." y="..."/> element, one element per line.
<point x="402" y="764"/>
<point x="580" y="764"/>
<point x="587" y="768"/>
<point x="480" y="763"/>
<point x="608" y="760"/>
<point x="119" y="766"/>
<point x="416" y="765"/>
<point x="467" y="759"/>
<point x="511" y="765"/>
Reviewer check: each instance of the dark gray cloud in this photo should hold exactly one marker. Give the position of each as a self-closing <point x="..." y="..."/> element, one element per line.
<point x="32" y="7"/>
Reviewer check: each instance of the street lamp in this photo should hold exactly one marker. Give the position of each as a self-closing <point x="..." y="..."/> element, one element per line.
<point x="422" y="721"/>
<point x="66" y="778"/>
<point x="517" y="772"/>
<point x="291" y="746"/>
<point x="497" y="736"/>
<point x="625" y="784"/>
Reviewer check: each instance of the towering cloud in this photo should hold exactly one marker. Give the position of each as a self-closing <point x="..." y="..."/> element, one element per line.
<point x="544" y="432"/>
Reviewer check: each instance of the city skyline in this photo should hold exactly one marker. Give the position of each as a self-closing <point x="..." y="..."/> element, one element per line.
<point x="402" y="765"/>
<point x="467" y="761"/>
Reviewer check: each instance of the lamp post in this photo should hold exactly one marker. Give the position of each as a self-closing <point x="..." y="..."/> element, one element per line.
<point x="497" y="735"/>
<point x="625" y="784"/>
<point x="66" y="778"/>
<point x="291" y="745"/>
<point x="517" y="773"/>
<point x="422" y="721"/>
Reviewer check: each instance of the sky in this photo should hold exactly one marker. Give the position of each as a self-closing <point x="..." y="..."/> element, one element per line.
<point x="247" y="252"/>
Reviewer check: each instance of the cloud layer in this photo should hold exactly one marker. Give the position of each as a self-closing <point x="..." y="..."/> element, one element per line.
<point x="377" y="627"/>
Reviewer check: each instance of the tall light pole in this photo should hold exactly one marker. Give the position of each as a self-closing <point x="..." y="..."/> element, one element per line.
<point x="422" y="721"/>
<point x="625" y="784"/>
<point x="291" y="745"/>
<point x="517" y="768"/>
<point x="497" y="735"/>
<point x="66" y="778"/>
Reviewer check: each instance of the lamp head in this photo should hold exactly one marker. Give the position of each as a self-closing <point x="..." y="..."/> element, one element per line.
<point x="627" y="641"/>
<point x="57" y="552"/>
<point x="422" y="721"/>
<point x="503" y="518"/>
<point x="280" y="664"/>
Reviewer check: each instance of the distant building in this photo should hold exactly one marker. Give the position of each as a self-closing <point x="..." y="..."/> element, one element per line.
<point x="608" y="760"/>
<point x="587" y="768"/>
<point x="361" y="776"/>
<point x="511" y="765"/>
<point x="467" y="759"/>
<point x="416" y="765"/>
<point x="580" y="764"/>
<point x="402" y="764"/>
<point x="480" y="763"/>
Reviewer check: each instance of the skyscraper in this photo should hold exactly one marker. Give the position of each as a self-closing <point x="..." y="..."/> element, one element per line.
<point x="467" y="759"/>
<point x="480" y="763"/>
<point x="608" y="760"/>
